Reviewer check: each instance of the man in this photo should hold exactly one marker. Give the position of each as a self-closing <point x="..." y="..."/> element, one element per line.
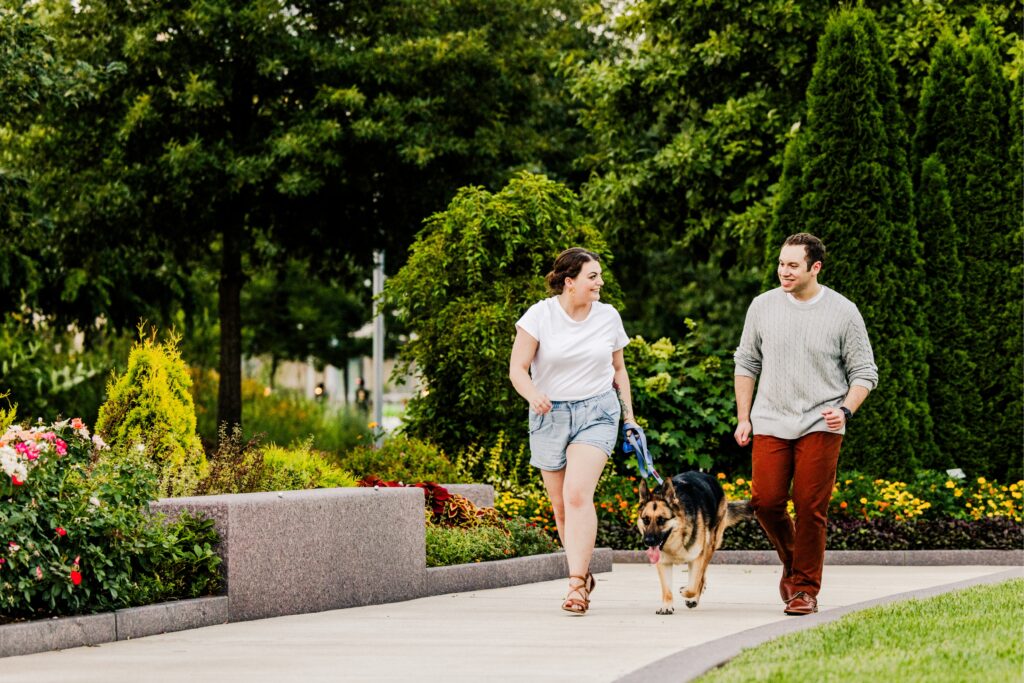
<point x="807" y="348"/>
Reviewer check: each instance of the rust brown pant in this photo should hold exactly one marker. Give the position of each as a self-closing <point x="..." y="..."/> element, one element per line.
<point x="809" y="465"/>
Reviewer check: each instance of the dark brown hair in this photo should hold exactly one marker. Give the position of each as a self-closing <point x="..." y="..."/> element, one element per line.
<point x="814" y="247"/>
<point x="568" y="264"/>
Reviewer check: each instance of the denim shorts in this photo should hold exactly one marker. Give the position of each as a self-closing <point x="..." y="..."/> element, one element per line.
<point x="593" y="421"/>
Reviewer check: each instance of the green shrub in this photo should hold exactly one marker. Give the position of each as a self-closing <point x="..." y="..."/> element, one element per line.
<point x="150" y="408"/>
<point x="77" y="537"/>
<point x="241" y="466"/>
<point x="528" y="538"/>
<point x="235" y="467"/>
<point x="456" y="545"/>
<point x="473" y="271"/>
<point x="402" y="458"/>
<point x="280" y="416"/>
<point x="683" y="398"/>
<point x="47" y="373"/>
<point x="502" y="467"/>
<point x="301" y="468"/>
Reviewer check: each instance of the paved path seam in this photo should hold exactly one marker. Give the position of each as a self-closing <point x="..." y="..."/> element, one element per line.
<point x="692" y="662"/>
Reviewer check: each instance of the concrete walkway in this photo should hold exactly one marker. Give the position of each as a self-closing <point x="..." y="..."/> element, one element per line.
<point x="506" y="634"/>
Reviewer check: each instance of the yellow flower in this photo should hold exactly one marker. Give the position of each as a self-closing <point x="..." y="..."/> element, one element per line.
<point x="950" y="485"/>
<point x="957" y="493"/>
<point x="372" y="425"/>
<point x="981" y="480"/>
<point x="863" y="501"/>
<point x="721" y="475"/>
<point x="741" y="481"/>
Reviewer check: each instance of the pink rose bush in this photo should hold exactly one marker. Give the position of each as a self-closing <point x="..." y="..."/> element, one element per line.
<point x="75" y="532"/>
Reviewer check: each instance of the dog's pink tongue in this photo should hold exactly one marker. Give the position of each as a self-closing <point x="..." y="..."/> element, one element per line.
<point x="654" y="554"/>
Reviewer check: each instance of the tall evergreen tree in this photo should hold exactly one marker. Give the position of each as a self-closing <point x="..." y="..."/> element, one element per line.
<point x="854" y="193"/>
<point x="941" y="101"/>
<point x="1013" y="349"/>
<point x="954" y="396"/>
<point x="983" y="210"/>
<point x="951" y="392"/>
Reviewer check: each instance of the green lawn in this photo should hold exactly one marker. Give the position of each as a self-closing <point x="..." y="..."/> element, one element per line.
<point x="970" y="635"/>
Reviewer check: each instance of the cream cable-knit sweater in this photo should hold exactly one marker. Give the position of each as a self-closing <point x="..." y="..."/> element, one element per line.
<point x="806" y="356"/>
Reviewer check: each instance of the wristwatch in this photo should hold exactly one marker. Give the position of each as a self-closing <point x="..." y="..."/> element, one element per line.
<point x="846" y="412"/>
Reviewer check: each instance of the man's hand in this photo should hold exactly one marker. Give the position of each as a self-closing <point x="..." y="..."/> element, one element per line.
<point x="743" y="430"/>
<point x="834" y="419"/>
<point x="540" y="403"/>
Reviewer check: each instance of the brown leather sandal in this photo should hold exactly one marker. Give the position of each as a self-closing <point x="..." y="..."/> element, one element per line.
<point x="581" y="604"/>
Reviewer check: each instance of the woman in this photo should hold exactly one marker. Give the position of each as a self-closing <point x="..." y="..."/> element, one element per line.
<point x="566" y="358"/>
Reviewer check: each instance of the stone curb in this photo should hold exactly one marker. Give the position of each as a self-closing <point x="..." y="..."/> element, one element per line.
<point x="688" y="664"/>
<point x="462" y="578"/>
<point x="29" y="637"/>
<point x="905" y="558"/>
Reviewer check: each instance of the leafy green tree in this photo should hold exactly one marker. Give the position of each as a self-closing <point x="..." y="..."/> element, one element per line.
<point x="472" y="272"/>
<point x="687" y="116"/>
<point x="953" y="396"/>
<point x="323" y="129"/>
<point x="289" y="315"/>
<point x="853" y="191"/>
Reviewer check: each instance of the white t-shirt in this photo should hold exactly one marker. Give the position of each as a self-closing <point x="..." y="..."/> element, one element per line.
<point x="574" y="358"/>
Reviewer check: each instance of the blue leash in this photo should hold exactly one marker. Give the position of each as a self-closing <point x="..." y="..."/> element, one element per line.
<point x="634" y="440"/>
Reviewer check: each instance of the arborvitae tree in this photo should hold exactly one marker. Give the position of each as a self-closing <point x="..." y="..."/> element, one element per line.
<point x="1012" y="396"/>
<point x="952" y="394"/>
<point x="941" y="102"/>
<point x="855" y="195"/>
<point x="984" y="213"/>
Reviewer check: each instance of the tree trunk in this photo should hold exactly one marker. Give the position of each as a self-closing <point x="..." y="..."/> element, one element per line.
<point x="229" y="396"/>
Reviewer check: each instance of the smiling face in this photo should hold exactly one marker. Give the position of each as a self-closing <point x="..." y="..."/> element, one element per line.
<point x="586" y="287"/>
<point x="794" y="275"/>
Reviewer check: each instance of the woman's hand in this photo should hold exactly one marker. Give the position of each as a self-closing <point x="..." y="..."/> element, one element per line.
<point x="540" y="403"/>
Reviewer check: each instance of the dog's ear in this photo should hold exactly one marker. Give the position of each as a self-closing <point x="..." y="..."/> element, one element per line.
<point x="645" y="493"/>
<point x="668" y="492"/>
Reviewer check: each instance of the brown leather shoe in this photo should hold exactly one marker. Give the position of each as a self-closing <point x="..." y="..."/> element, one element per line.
<point x="801" y="604"/>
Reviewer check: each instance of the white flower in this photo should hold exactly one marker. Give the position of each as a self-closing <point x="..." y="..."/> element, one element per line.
<point x="12" y="464"/>
<point x="99" y="443"/>
<point x="94" y="501"/>
<point x="140" y="447"/>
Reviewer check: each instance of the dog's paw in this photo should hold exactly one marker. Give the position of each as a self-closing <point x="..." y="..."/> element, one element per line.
<point x="691" y="603"/>
<point x="666" y="610"/>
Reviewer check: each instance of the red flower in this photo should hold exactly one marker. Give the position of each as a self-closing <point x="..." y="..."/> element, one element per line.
<point x="61" y="532"/>
<point x="76" y="577"/>
<point x="16" y="481"/>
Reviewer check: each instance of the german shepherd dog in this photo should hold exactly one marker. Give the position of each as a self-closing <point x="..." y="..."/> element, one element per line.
<point x="683" y="521"/>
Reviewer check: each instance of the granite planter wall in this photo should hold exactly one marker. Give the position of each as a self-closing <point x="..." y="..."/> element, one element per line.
<point x="293" y="552"/>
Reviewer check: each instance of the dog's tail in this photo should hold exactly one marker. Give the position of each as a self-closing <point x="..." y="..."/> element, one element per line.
<point x="739" y="510"/>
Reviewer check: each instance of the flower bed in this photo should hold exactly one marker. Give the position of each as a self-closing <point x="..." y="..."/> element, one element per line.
<point x="460" y="532"/>
<point x="77" y="538"/>
<point x="933" y="512"/>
